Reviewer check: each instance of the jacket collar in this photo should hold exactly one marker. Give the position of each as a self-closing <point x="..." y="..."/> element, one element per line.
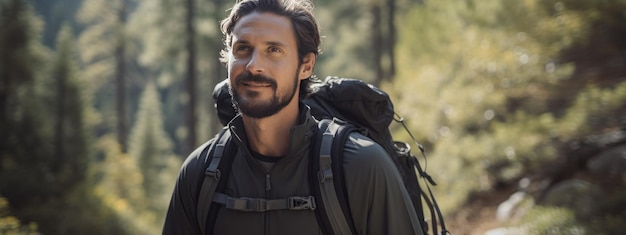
<point x="300" y="135"/>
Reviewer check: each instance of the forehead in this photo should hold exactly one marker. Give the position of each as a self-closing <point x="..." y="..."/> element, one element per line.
<point x="263" y="28"/>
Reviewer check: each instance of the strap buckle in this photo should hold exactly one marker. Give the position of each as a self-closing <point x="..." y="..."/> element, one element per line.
<point x="301" y="203"/>
<point x="256" y="204"/>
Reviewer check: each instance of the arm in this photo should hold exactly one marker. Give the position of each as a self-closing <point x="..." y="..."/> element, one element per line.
<point x="181" y="214"/>
<point x="378" y="200"/>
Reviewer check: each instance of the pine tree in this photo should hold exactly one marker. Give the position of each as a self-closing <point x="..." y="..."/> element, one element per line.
<point x="71" y="137"/>
<point x="45" y="143"/>
<point x="24" y="146"/>
<point x="70" y="196"/>
<point x="103" y="47"/>
<point x="20" y="52"/>
<point x="179" y="43"/>
<point x="151" y="148"/>
<point x="119" y="187"/>
<point x="137" y="185"/>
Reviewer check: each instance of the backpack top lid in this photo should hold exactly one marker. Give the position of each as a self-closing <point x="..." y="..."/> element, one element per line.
<point x="345" y="98"/>
<point x="354" y="101"/>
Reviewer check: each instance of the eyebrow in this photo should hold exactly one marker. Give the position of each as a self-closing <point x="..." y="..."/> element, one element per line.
<point x="269" y="43"/>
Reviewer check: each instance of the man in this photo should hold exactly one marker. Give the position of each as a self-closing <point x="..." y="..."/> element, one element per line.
<point x="271" y="48"/>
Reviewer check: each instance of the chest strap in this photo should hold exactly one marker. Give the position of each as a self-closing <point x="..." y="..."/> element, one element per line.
<point x="262" y="205"/>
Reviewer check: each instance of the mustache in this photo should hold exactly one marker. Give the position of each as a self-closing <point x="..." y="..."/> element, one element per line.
<point x="248" y="77"/>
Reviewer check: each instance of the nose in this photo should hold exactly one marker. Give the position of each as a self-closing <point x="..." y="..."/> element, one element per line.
<point x="255" y="65"/>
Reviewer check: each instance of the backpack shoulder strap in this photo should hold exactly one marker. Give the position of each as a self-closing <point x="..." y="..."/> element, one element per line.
<point x="212" y="176"/>
<point x="332" y="190"/>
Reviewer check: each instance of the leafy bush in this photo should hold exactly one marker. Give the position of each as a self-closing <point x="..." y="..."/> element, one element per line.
<point x="551" y="221"/>
<point x="10" y="225"/>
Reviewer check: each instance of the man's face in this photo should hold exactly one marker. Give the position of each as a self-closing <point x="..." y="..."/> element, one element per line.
<point x="263" y="65"/>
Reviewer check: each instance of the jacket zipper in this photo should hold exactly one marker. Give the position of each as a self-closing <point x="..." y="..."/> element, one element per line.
<point x="268" y="187"/>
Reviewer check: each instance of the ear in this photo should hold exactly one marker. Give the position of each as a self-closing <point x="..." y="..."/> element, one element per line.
<point x="306" y="68"/>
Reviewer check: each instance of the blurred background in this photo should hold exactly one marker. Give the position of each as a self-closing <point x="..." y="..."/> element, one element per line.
<point x="521" y="105"/>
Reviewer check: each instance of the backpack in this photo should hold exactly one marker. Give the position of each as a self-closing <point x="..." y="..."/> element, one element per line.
<point x="344" y="106"/>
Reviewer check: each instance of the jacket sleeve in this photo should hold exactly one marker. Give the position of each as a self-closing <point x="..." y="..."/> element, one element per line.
<point x="378" y="200"/>
<point x="181" y="217"/>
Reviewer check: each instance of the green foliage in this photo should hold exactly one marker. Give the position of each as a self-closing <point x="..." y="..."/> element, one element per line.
<point x="561" y="220"/>
<point x="159" y="27"/>
<point x="552" y="221"/>
<point x="104" y="47"/>
<point x="580" y="208"/>
<point x="21" y="52"/>
<point x="55" y="13"/>
<point x="66" y="102"/>
<point x="345" y="44"/>
<point x="483" y="83"/>
<point x="23" y="144"/>
<point x="160" y="36"/>
<point x="12" y="226"/>
<point x="160" y="30"/>
<point x="98" y="41"/>
<point x="119" y="186"/>
<point x="346" y="29"/>
<point x="45" y="143"/>
<point x="137" y="186"/>
<point x="151" y="149"/>
<point x="593" y="107"/>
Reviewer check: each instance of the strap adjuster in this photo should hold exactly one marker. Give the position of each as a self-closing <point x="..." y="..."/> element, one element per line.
<point x="215" y="174"/>
<point x="301" y="203"/>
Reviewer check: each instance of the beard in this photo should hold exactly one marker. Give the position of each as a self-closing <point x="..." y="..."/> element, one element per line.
<point x="264" y="108"/>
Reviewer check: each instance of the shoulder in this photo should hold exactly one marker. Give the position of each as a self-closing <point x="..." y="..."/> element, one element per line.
<point x="194" y="165"/>
<point x="182" y="211"/>
<point x="197" y="155"/>
<point x="378" y="200"/>
<point x="364" y="154"/>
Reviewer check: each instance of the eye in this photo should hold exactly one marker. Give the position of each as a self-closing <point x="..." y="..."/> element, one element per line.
<point x="242" y="50"/>
<point x="274" y="49"/>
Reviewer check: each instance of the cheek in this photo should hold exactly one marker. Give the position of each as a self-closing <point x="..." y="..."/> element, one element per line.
<point x="235" y="68"/>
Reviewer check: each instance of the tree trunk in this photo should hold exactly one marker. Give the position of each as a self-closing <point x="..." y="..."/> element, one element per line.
<point x="60" y="117"/>
<point x="5" y="108"/>
<point x="191" y="77"/>
<point x="120" y="80"/>
<point x="218" y="74"/>
<point x="377" y="43"/>
<point x="391" y="44"/>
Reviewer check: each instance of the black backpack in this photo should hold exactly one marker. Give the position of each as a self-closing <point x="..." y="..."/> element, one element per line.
<point x="343" y="105"/>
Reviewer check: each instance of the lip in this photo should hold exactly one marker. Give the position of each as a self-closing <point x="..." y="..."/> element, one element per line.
<point x="255" y="84"/>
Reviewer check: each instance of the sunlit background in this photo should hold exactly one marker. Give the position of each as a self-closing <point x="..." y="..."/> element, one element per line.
<point x="521" y="105"/>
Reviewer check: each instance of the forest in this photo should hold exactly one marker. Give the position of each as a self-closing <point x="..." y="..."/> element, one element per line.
<point x="520" y="105"/>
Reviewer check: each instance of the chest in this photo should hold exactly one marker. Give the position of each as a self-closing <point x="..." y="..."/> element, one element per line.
<point x="248" y="179"/>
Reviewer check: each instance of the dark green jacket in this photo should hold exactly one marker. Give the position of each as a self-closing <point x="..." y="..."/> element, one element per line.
<point x="378" y="201"/>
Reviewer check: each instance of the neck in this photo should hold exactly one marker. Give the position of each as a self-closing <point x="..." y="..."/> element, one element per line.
<point x="271" y="136"/>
